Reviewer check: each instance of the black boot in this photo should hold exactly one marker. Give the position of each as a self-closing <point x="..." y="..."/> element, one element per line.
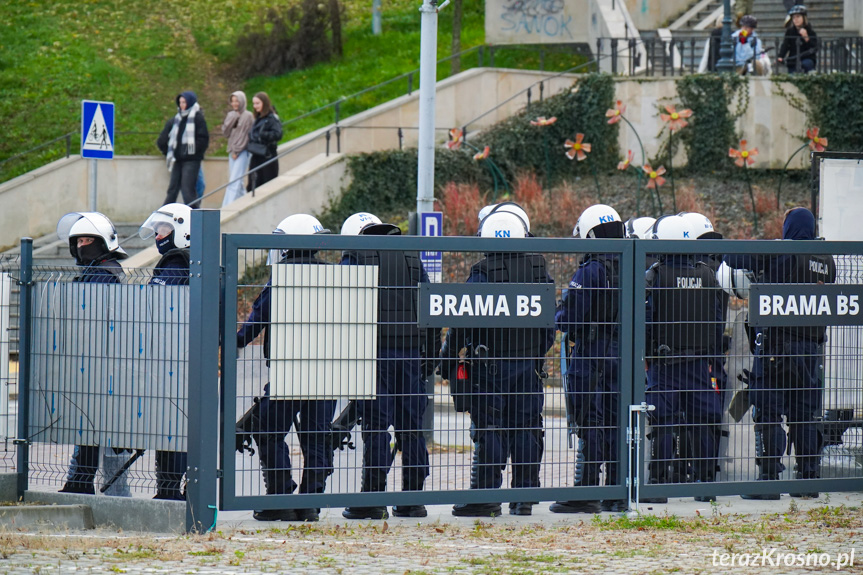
<point x="411" y="484"/>
<point x="169" y="476"/>
<point x="373" y="481"/>
<point x="585" y="474"/>
<point x="477" y="510"/>
<point x="85" y="462"/>
<point x="765" y="496"/>
<point x="809" y="494"/>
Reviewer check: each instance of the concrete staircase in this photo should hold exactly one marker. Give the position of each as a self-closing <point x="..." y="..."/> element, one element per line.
<point x="826" y="17"/>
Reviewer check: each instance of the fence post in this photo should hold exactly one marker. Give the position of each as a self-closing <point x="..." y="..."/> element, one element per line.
<point x="410" y="83"/>
<point x="203" y="394"/>
<point x="541" y="90"/>
<point x="68" y="145"/>
<point x="25" y="282"/>
<point x="481" y="52"/>
<point x="528" y="99"/>
<point x="401" y="139"/>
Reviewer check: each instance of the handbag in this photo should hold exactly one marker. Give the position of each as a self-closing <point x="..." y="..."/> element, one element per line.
<point x="257" y="149"/>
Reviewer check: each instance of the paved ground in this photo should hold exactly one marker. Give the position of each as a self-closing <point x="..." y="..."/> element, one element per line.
<point x="681" y="537"/>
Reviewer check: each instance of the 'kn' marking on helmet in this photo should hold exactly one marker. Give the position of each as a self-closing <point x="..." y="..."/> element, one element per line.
<point x="606" y="219"/>
<point x="502" y="234"/>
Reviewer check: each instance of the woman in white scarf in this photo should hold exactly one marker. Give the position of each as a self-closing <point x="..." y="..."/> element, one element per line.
<point x="183" y="141"/>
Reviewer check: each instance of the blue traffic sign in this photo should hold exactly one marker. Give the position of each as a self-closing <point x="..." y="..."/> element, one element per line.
<point x="431" y="225"/>
<point x="97" y="130"/>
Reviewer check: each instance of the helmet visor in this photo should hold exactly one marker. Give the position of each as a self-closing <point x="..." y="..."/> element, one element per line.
<point x="64" y="226"/>
<point x="158" y="224"/>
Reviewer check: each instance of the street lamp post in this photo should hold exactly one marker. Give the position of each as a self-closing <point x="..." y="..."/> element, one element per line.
<point x="726" y="50"/>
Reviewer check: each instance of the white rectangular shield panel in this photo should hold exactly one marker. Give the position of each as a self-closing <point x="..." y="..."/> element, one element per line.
<point x="8" y="421"/>
<point x="323" y="341"/>
<point x="110" y="365"/>
<point x="840" y="210"/>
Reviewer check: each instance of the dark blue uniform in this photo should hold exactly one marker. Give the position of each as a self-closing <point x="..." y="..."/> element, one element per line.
<point x="683" y="308"/>
<point x="786" y="377"/>
<point x="506" y="406"/>
<point x="85" y="458"/>
<point x="313" y="418"/>
<point x="588" y="315"/>
<point x="401" y="398"/>
<point x="172" y="269"/>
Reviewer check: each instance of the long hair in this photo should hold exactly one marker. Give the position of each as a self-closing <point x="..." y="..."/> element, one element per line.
<point x="267" y="107"/>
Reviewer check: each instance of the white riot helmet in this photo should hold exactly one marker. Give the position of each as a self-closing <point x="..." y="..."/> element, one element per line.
<point x="734" y="282"/>
<point x="357" y="222"/>
<point x="639" y="228"/>
<point x="170" y="219"/>
<point x="503" y="225"/>
<point x="700" y="223"/>
<point x="295" y="225"/>
<point x="599" y="221"/>
<point x="89" y="224"/>
<point x="510" y="207"/>
<point x="672" y="228"/>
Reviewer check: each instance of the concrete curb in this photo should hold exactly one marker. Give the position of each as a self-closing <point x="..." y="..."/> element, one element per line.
<point x="48" y="516"/>
<point x="126" y="513"/>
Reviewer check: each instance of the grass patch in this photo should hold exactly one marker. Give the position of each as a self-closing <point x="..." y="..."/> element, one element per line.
<point x="640" y="522"/>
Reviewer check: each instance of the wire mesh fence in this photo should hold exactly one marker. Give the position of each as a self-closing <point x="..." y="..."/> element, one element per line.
<point x="9" y="274"/>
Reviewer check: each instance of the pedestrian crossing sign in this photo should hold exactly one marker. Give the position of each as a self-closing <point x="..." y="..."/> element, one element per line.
<point x="97" y="130"/>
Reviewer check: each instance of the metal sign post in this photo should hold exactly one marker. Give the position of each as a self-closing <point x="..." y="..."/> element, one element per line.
<point x="97" y="140"/>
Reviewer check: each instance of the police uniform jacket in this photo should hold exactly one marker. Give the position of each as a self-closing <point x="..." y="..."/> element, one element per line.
<point x="172" y="269"/>
<point x="590" y="308"/>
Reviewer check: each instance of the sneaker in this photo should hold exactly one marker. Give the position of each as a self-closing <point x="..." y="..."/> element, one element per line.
<point x="410" y="511"/>
<point x="763" y="497"/>
<point x="365" y="513"/>
<point x="705" y="498"/>
<point x="311" y="514"/>
<point x="575" y="507"/>
<point x="80" y="488"/>
<point x="275" y="515"/>
<point x="476" y="510"/>
<point x="613" y="505"/>
<point x="521" y="508"/>
<point x="653" y="500"/>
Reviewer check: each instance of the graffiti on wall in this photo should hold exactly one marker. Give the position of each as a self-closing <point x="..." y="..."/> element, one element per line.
<point x="534" y="21"/>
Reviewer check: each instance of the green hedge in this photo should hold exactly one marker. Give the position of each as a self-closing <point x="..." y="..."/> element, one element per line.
<point x="834" y="103"/>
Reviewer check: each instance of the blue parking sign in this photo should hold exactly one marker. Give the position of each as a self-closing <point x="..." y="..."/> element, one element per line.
<point x="431" y="225"/>
<point x="97" y="130"/>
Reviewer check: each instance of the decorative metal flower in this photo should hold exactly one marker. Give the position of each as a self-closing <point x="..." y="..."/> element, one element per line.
<point x="654" y="176"/>
<point x="625" y="163"/>
<point x="577" y="149"/>
<point x="482" y="155"/>
<point x="743" y="155"/>
<point x="676" y="119"/>
<point x="456" y="137"/>
<point x="816" y="143"/>
<point x="543" y="121"/>
<point x="615" y="114"/>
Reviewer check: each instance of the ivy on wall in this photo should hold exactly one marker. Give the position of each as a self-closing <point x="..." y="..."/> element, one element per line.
<point x="718" y="100"/>
<point x="833" y="102"/>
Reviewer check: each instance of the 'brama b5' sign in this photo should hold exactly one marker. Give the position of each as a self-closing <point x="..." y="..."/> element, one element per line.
<point x="791" y="305"/>
<point x="492" y="305"/>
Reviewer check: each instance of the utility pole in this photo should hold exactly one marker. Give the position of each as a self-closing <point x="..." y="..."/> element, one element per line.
<point x="726" y="50"/>
<point x="428" y="79"/>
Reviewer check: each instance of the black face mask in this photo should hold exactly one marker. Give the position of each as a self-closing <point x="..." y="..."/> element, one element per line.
<point x="91" y="252"/>
<point x="166" y="244"/>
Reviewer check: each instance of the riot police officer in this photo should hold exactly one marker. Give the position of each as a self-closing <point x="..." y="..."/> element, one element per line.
<point x="272" y="418"/>
<point x="682" y="310"/>
<point x="94" y="244"/>
<point x="171" y="226"/>
<point x="401" y="398"/>
<point x="506" y="407"/>
<point x="786" y="377"/>
<point x="589" y="316"/>
<point x="639" y="228"/>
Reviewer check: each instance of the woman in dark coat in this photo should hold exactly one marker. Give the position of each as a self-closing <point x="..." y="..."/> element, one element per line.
<point x="183" y="143"/>
<point x="800" y="44"/>
<point x="263" y="140"/>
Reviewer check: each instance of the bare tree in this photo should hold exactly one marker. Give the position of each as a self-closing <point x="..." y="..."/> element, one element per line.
<point x="336" y="26"/>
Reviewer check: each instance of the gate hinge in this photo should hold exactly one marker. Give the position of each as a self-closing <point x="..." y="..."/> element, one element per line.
<point x="220" y="474"/>
<point x="21" y="442"/>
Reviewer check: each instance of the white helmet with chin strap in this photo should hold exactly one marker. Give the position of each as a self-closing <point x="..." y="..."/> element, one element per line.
<point x="295" y="225"/>
<point x="639" y="228"/>
<point x="89" y="224"/>
<point x="355" y="224"/>
<point x="672" y="228"/>
<point x="599" y="221"/>
<point x="733" y="281"/>
<point x="510" y="207"/>
<point x="503" y="225"/>
<point x="170" y="218"/>
<point x="700" y="223"/>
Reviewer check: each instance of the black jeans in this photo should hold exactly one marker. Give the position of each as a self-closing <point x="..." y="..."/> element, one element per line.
<point x="184" y="176"/>
<point x="264" y="175"/>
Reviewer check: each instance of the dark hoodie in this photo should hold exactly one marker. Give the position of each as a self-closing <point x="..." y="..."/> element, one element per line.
<point x="799" y="225"/>
<point x="202" y="135"/>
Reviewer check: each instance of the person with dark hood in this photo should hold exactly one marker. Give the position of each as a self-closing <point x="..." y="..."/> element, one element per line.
<point x="786" y="377"/>
<point x="800" y="45"/>
<point x="237" y="125"/>
<point x="263" y="141"/>
<point x="183" y="141"/>
<point x="94" y="244"/>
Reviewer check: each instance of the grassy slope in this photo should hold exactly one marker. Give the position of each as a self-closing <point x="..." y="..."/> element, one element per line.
<point x="54" y="53"/>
